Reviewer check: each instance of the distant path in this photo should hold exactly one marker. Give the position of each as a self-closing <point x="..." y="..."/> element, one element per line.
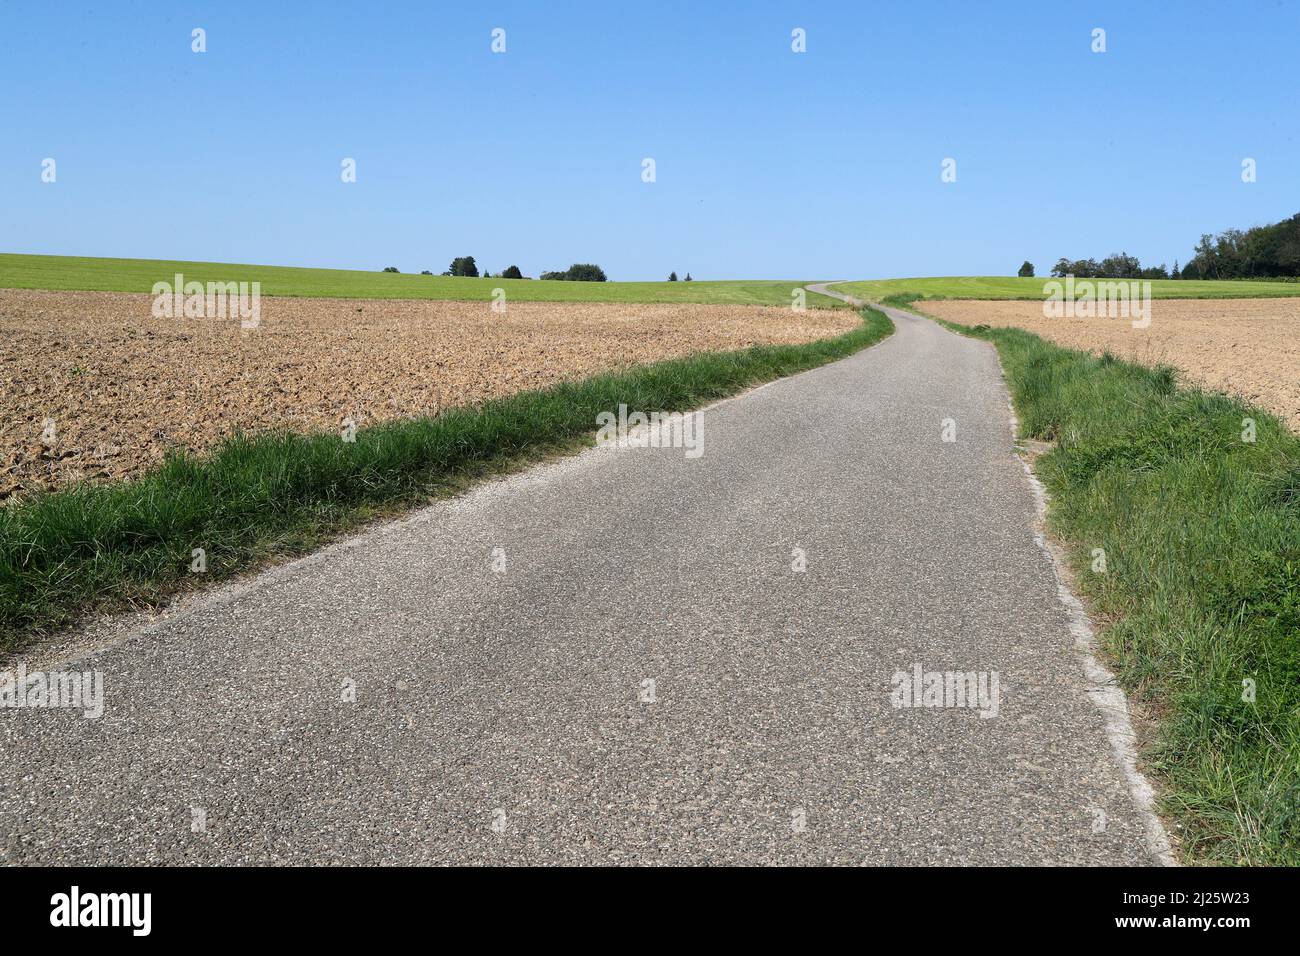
<point x="824" y="288"/>
<point x="510" y="717"/>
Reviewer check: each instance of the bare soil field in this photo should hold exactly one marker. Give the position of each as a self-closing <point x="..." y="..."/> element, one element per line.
<point x="1249" y="348"/>
<point x="120" y="387"/>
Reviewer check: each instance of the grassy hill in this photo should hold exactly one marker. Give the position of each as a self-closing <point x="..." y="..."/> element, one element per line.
<point x="139" y="275"/>
<point x="1009" y="287"/>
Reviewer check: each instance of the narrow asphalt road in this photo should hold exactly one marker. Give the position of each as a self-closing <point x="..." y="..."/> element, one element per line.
<point x="629" y="656"/>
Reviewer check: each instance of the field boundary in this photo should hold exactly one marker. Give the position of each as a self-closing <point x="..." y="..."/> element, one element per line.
<point x="899" y="292"/>
<point x="106" y="547"/>
<point x="102" y="274"/>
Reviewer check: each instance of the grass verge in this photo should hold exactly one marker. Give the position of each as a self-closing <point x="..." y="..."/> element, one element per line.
<point x="130" y="544"/>
<point x="1200" y="591"/>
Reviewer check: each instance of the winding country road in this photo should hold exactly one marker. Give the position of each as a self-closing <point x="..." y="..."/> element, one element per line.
<point x="684" y="660"/>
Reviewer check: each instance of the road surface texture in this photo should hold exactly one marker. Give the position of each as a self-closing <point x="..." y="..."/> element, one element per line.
<point x="650" y="679"/>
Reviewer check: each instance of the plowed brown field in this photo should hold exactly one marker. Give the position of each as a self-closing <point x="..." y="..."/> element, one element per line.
<point x="1249" y="348"/>
<point x="121" y="387"/>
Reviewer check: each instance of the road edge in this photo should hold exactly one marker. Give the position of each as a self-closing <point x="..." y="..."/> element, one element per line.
<point x="1100" y="684"/>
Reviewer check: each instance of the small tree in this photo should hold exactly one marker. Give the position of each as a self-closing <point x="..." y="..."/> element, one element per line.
<point x="688" y="277"/>
<point x="426" y="272"/>
<point x="672" y="277"/>
<point x="464" y="266"/>
<point x="1026" y="270"/>
<point x="1174" y="274"/>
<point x="511" y="272"/>
<point x="390" y="269"/>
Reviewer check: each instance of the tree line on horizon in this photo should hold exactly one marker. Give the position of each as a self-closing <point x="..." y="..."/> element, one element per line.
<point x="1261" y="252"/>
<point x="466" y="267"/>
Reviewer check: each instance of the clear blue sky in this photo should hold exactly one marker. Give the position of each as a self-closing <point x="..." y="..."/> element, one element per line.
<point x="770" y="164"/>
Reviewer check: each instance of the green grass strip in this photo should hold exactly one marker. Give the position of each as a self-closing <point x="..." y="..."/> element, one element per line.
<point x="139" y="275"/>
<point x="1201" y="590"/>
<point x="276" y="494"/>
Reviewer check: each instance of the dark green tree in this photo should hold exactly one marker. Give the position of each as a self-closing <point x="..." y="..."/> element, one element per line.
<point x="579" y="272"/>
<point x="586" y="272"/>
<point x="464" y="266"/>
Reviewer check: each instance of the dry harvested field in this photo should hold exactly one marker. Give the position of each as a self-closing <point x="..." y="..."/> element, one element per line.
<point x="121" y="387"/>
<point x="1245" y="347"/>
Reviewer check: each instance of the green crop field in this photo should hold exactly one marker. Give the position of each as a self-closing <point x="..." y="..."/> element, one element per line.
<point x="139" y="275"/>
<point x="1010" y="287"/>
